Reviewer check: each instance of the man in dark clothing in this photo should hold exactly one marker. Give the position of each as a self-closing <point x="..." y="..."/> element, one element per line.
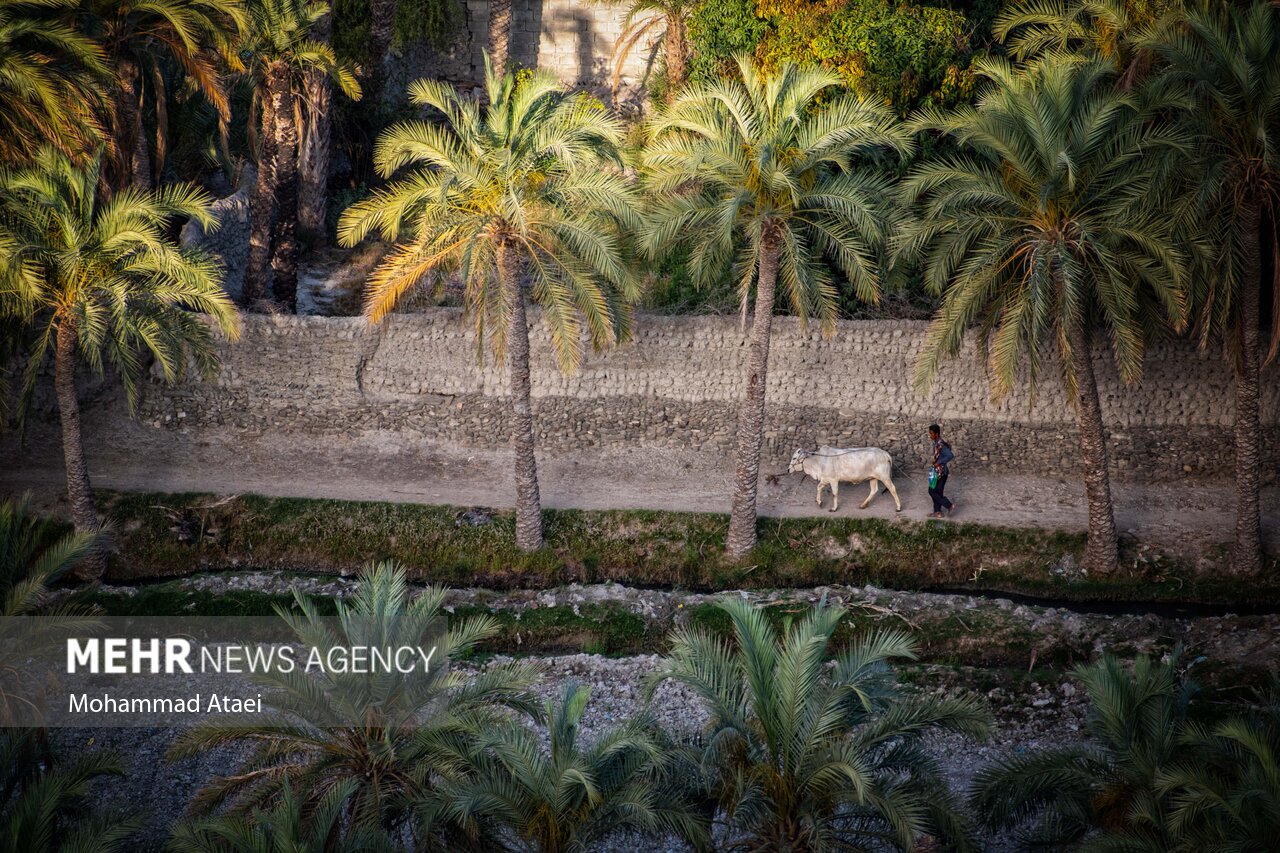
<point x="942" y="456"/>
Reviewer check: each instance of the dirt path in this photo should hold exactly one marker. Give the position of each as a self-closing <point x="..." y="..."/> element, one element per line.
<point x="390" y="467"/>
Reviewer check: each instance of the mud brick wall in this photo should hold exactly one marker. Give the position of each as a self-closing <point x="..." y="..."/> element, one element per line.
<point x="676" y="386"/>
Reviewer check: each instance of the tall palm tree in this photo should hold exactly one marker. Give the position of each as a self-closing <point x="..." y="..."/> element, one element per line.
<point x="1227" y="56"/>
<point x="804" y="756"/>
<point x="1108" y="790"/>
<point x="568" y="797"/>
<point x="523" y="196"/>
<point x="102" y="281"/>
<point x="314" y="138"/>
<point x="773" y="174"/>
<point x="667" y="20"/>
<point x="285" y="828"/>
<point x="395" y="737"/>
<point x="139" y="36"/>
<point x="1053" y="223"/>
<point x="282" y="51"/>
<point x="498" y="38"/>
<point x="51" y="81"/>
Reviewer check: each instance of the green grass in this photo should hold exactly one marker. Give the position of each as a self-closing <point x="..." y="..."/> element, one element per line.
<point x="163" y="535"/>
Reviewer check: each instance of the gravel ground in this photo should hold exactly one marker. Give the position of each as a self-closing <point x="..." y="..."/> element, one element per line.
<point x="1049" y="714"/>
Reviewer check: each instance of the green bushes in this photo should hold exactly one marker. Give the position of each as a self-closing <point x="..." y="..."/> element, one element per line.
<point x="906" y="54"/>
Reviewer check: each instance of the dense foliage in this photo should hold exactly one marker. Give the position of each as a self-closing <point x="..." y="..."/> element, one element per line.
<point x="907" y="54"/>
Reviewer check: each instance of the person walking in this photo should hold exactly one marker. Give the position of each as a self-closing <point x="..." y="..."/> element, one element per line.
<point x="942" y="456"/>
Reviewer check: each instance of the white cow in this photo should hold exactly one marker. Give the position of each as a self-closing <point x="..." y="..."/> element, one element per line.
<point x="831" y="465"/>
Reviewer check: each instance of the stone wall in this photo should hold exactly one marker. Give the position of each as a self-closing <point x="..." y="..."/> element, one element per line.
<point x="573" y="39"/>
<point x="676" y="386"/>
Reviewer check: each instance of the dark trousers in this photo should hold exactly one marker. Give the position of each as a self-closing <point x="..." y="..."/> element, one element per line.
<point x="940" y="501"/>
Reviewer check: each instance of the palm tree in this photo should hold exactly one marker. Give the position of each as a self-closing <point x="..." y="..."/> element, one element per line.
<point x="45" y="806"/>
<point x="315" y="134"/>
<point x="102" y="281"/>
<point x="525" y="195"/>
<point x="139" y="36"/>
<point x="806" y="757"/>
<point x="286" y="828"/>
<point x="33" y="555"/>
<point x="51" y="81"/>
<point x="665" y="19"/>
<point x="773" y="175"/>
<point x="1053" y="222"/>
<point x="43" y="800"/>
<point x="567" y="797"/>
<point x="282" y="52"/>
<point x="498" y="38"/>
<point x="1106" y="791"/>
<point x="394" y="737"/>
<point x="1227" y="57"/>
<point x="1115" y="31"/>
<point x="1224" y="795"/>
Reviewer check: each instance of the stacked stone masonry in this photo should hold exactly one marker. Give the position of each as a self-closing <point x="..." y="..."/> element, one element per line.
<point x="676" y="384"/>
<point x="573" y="39"/>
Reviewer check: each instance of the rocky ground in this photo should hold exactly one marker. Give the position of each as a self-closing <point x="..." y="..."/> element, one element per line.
<point x="1050" y="713"/>
<point x="1035" y="705"/>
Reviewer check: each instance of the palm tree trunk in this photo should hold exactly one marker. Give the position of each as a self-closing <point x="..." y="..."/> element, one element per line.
<point x="284" y="237"/>
<point x="498" y="42"/>
<point x="382" y="25"/>
<point x="313" y="155"/>
<point x="742" y="521"/>
<point x="79" y="492"/>
<point x="257" y="270"/>
<point x="1246" y="555"/>
<point x="676" y="52"/>
<point x="131" y="135"/>
<point x="528" y="501"/>
<point x="1101" y="551"/>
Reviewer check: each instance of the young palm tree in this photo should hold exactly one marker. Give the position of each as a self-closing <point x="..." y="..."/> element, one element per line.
<point x="139" y="36"/>
<point x="807" y="757"/>
<point x="1224" y="795"/>
<point x="51" y="81"/>
<point x="32" y="556"/>
<point x="772" y="174"/>
<point x="394" y="737"/>
<point x="1106" y="791"/>
<point x="570" y="798"/>
<point x="1227" y="56"/>
<point x="669" y="21"/>
<point x="1115" y="31"/>
<point x="46" y="805"/>
<point x="1054" y="222"/>
<point x="103" y="282"/>
<point x="282" y="52"/>
<point x="524" y="196"/>
<point x="286" y="828"/>
<point x="43" y="801"/>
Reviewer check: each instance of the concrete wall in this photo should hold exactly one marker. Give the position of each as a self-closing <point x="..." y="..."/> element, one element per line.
<point x="676" y="385"/>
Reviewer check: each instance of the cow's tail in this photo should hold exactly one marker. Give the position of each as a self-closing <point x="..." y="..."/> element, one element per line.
<point x="896" y="471"/>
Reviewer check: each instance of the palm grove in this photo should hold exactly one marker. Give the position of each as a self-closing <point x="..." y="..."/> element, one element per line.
<point x="1112" y="180"/>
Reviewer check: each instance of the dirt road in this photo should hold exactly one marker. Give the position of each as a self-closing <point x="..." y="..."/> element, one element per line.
<point x="389" y="467"/>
